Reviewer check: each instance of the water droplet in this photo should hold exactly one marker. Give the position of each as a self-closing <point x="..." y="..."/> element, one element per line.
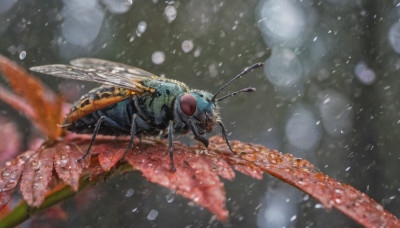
<point x="348" y="168"/>
<point x="35" y="165"/>
<point x="318" y="206"/>
<point x="234" y="27"/>
<point x="326" y="101"/>
<point x="170" y="12"/>
<point x="364" y="73"/>
<point x="158" y="57"/>
<point x="315" y="39"/>
<point x="152" y="215"/>
<point x="12" y="49"/>
<point x="129" y="192"/>
<point x="293" y="218"/>
<point x="135" y="209"/>
<point x="197" y="52"/>
<point x="22" y="55"/>
<point x="212" y="69"/>
<point x="170" y="197"/>
<point x="379" y="207"/>
<point x="141" y="28"/>
<point x="187" y="46"/>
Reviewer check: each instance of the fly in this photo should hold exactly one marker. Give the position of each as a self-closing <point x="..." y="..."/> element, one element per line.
<point x="134" y="102"/>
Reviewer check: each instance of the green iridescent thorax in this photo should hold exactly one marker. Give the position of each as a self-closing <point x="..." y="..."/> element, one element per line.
<point x="204" y="103"/>
<point x="158" y="106"/>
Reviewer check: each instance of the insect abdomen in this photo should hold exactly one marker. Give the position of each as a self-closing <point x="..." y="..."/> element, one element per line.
<point x="96" y="99"/>
<point x="119" y="113"/>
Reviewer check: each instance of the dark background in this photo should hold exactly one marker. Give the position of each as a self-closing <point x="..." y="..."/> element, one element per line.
<point x="329" y="93"/>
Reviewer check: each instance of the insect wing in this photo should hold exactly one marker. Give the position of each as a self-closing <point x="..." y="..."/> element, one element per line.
<point x="129" y="72"/>
<point x="92" y="75"/>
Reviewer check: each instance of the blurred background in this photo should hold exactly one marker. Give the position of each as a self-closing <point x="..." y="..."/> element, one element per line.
<point x="328" y="93"/>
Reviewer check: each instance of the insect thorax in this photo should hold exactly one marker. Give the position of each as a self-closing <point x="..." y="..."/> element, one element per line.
<point x="157" y="108"/>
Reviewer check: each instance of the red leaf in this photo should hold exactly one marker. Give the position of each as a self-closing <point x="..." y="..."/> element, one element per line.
<point x="46" y="105"/>
<point x="66" y="165"/>
<point x="303" y="175"/>
<point x="10" y="175"/>
<point x="249" y="171"/>
<point x="109" y="154"/>
<point x="197" y="173"/>
<point x="4" y="211"/>
<point x="37" y="175"/>
<point x="194" y="177"/>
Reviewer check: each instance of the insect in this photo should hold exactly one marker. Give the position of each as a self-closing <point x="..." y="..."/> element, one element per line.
<point x="134" y="102"/>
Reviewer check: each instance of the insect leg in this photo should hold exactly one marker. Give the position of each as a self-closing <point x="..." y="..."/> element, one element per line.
<point x="171" y="146"/>
<point x="198" y="137"/>
<point x="111" y="122"/>
<point x="224" y="134"/>
<point x="96" y="130"/>
<point x="133" y="133"/>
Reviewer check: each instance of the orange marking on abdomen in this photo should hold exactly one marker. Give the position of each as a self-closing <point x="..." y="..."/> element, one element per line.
<point x="93" y="106"/>
<point x="95" y="100"/>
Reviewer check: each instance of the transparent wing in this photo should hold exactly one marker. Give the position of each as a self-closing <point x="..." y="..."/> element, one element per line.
<point x="91" y="75"/>
<point x="127" y="71"/>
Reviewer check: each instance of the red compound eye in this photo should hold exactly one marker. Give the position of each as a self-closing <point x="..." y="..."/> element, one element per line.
<point x="188" y="104"/>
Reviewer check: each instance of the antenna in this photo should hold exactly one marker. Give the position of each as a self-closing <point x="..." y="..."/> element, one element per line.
<point x="246" y="90"/>
<point x="245" y="71"/>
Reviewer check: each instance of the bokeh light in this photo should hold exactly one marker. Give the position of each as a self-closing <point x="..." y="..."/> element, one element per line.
<point x="283" y="68"/>
<point x="82" y="22"/>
